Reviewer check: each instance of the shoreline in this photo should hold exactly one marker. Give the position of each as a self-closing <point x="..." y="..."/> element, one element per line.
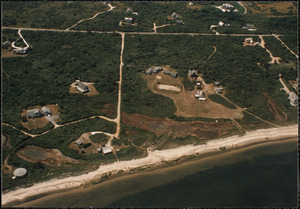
<point x="154" y="160"/>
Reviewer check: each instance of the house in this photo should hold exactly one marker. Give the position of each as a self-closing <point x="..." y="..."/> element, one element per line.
<point x="79" y="142"/>
<point x="193" y="73"/>
<point x="235" y="11"/>
<point x="216" y="83"/>
<point x="157" y="69"/>
<point x="221" y="24"/>
<point x="191" y="4"/>
<point x="226" y="24"/>
<point x="81" y="87"/>
<point x="218" y="90"/>
<point x="20" y="51"/>
<point x="128" y="19"/>
<point x="106" y="150"/>
<point x="149" y="71"/>
<point x="200" y="95"/>
<point x="227" y="6"/>
<point x="128" y="11"/>
<point x="175" y="15"/>
<point x="45" y="111"/>
<point x="99" y="149"/>
<point x="179" y="22"/>
<point x="249" y="40"/>
<point x="293" y="99"/>
<point x="35" y="113"/>
<point x="167" y="72"/>
<point x="249" y="27"/>
<point x="6" y="45"/>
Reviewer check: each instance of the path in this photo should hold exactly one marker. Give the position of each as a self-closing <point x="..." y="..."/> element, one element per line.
<point x="286" y="89"/>
<point x="118" y="118"/>
<point x="161" y="26"/>
<point x="241" y="3"/>
<point x="274" y="59"/>
<point x="239" y="127"/>
<point x="276" y="36"/>
<point x="111" y="8"/>
<point x="249" y="112"/>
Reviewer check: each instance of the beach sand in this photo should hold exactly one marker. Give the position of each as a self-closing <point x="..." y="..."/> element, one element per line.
<point x="154" y="158"/>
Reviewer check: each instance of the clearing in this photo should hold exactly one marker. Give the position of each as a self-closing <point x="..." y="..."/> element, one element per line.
<point x="160" y="126"/>
<point x="51" y="157"/>
<point x="186" y="103"/>
<point x="34" y="123"/>
<point x="283" y="8"/>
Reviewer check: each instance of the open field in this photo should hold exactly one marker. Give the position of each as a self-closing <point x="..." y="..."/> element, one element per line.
<point x="273" y="9"/>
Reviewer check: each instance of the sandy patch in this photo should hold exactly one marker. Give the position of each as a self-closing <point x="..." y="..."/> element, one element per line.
<point x="168" y="87"/>
<point x="93" y="91"/>
<point x="51" y="157"/>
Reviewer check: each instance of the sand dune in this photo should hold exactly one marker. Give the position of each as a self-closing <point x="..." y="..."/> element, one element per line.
<point x="154" y="158"/>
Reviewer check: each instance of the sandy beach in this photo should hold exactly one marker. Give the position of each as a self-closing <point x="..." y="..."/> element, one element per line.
<point x="154" y="158"/>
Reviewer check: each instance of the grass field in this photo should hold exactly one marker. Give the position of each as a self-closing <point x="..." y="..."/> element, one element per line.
<point x="221" y="100"/>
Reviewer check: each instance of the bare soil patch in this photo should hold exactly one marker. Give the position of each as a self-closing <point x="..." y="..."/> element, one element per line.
<point x="283" y="7"/>
<point x="6" y="53"/>
<point x="110" y="109"/>
<point x="51" y="157"/>
<point x="34" y="123"/>
<point x="160" y="126"/>
<point x="274" y="109"/>
<point x="186" y="103"/>
<point x="93" y="91"/>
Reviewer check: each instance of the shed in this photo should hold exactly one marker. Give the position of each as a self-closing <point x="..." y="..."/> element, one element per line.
<point x="236" y="11"/>
<point x="157" y="69"/>
<point x="20" y="172"/>
<point x="46" y="111"/>
<point x="99" y="149"/>
<point x="35" y="113"/>
<point x="249" y="27"/>
<point x="106" y="150"/>
<point x="82" y="88"/>
<point x="79" y="142"/>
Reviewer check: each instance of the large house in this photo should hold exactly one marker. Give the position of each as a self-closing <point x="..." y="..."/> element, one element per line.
<point x="293" y="98"/>
<point x="81" y="87"/>
<point x="249" y="40"/>
<point x="227" y="6"/>
<point x="171" y="74"/>
<point x="37" y="113"/>
<point x="128" y="20"/>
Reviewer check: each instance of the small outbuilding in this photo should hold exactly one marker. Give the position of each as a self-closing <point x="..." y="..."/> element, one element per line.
<point x="191" y="4"/>
<point x="106" y="150"/>
<point x="82" y="88"/>
<point x="79" y="142"/>
<point x="175" y="15"/>
<point x="218" y="90"/>
<point x="249" y="40"/>
<point x="45" y="111"/>
<point x="20" y="173"/>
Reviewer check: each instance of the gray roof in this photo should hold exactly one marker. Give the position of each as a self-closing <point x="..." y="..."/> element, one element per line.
<point x="79" y="142"/>
<point x="35" y="113"/>
<point x="179" y="22"/>
<point x="45" y="110"/>
<point x="82" y="86"/>
<point x="20" y="172"/>
<point x="174" y="75"/>
<point x="106" y="149"/>
<point x="167" y="72"/>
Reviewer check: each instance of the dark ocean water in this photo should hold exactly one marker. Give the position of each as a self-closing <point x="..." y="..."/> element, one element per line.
<point x="260" y="176"/>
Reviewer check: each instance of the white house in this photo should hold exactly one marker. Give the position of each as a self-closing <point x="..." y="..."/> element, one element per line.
<point x="81" y="87"/>
<point x="293" y="99"/>
<point x="221" y="24"/>
<point x="128" y="19"/>
<point x="227" y="6"/>
<point x="249" y="40"/>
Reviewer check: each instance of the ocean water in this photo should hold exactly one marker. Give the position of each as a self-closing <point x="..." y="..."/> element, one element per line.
<point x="258" y="176"/>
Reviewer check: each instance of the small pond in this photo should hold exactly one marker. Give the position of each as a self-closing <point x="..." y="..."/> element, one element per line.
<point x="35" y="154"/>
